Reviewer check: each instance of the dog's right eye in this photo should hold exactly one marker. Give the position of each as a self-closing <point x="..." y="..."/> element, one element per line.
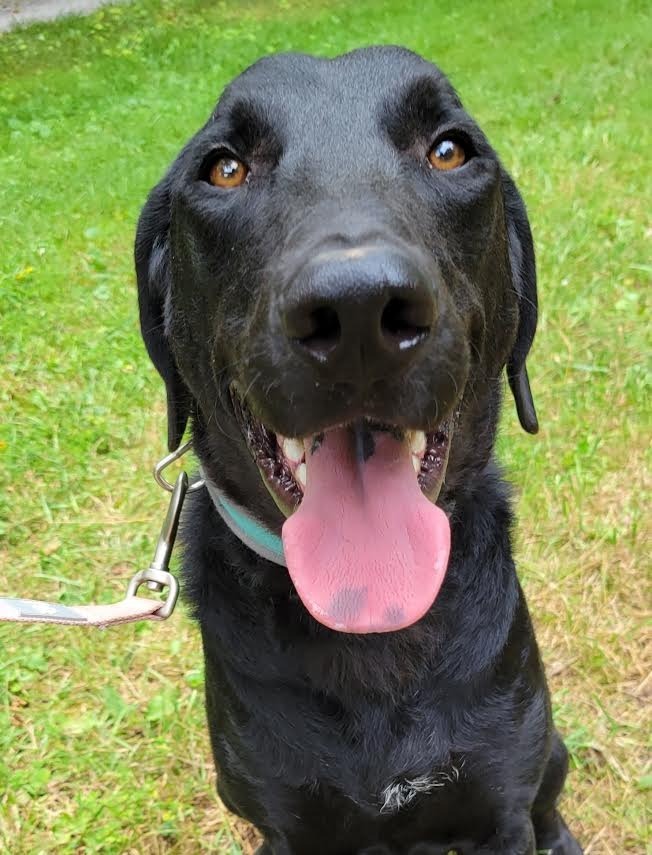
<point x="227" y="172"/>
<point x="447" y="154"/>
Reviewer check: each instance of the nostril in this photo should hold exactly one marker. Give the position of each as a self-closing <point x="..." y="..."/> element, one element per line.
<point x="405" y="323"/>
<point x="321" y="331"/>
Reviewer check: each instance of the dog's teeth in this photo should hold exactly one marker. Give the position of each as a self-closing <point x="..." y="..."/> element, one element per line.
<point x="301" y="474"/>
<point x="417" y="442"/>
<point x="293" y="450"/>
<point x="416" y="462"/>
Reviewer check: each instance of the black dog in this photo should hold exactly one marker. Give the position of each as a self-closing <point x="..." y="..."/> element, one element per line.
<point x="332" y="276"/>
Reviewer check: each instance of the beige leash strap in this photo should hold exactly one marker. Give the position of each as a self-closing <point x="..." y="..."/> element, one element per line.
<point x="36" y="611"/>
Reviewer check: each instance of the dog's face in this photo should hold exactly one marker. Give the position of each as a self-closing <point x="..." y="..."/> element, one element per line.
<point x="332" y="276"/>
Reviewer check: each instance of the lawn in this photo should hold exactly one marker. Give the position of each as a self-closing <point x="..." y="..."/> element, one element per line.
<point x="102" y="734"/>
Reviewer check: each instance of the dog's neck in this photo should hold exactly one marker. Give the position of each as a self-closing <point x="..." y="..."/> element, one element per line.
<point x="249" y="530"/>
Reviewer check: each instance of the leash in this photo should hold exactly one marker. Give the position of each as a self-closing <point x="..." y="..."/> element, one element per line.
<point x="157" y="577"/>
<point x="132" y="608"/>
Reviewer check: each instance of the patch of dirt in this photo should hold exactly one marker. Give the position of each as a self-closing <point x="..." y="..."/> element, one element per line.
<point x="17" y="12"/>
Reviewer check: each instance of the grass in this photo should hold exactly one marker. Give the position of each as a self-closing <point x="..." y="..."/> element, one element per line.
<point x="102" y="734"/>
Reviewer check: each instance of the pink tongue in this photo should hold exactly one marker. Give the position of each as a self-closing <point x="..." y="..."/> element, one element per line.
<point x="367" y="552"/>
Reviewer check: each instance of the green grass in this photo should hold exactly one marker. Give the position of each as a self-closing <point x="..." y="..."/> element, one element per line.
<point x="102" y="734"/>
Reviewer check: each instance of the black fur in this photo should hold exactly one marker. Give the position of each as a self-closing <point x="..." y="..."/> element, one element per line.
<point x="315" y="732"/>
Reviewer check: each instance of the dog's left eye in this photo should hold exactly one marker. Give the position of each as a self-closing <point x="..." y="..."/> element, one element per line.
<point x="447" y="154"/>
<point x="227" y="172"/>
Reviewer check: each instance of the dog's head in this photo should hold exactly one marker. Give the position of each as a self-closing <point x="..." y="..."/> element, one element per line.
<point x="332" y="276"/>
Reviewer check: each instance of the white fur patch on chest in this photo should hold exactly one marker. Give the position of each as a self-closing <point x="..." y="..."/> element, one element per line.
<point x="402" y="791"/>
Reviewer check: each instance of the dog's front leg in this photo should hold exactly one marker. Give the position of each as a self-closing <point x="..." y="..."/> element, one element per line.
<point x="278" y="846"/>
<point x="515" y="839"/>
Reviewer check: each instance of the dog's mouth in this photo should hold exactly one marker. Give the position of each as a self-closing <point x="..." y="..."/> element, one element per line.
<point x="282" y="460"/>
<point x="365" y="544"/>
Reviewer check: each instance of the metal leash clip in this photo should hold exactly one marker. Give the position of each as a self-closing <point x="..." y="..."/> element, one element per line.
<point x="157" y="576"/>
<point x="166" y="461"/>
<point x="132" y="608"/>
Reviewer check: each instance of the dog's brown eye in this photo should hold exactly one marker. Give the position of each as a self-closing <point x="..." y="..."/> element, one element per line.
<point x="446" y="154"/>
<point x="227" y="172"/>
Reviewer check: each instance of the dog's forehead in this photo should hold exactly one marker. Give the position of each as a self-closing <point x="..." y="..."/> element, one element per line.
<point x="296" y="90"/>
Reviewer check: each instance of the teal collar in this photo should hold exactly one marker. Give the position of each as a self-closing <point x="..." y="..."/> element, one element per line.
<point x="246" y="527"/>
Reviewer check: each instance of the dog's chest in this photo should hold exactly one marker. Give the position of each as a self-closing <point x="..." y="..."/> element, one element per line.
<point x="385" y="769"/>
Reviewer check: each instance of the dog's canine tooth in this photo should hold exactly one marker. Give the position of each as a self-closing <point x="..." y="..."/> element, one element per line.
<point x="416" y="462"/>
<point x="293" y="450"/>
<point x="301" y="474"/>
<point x="417" y="442"/>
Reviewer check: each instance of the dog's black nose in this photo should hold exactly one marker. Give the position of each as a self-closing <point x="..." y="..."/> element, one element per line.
<point x="359" y="314"/>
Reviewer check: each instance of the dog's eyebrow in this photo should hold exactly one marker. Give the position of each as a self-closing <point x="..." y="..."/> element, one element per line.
<point x="418" y="109"/>
<point x="249" y="123"/>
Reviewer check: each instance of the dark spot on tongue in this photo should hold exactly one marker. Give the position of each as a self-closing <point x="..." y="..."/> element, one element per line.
<point x="394" y="615"/>
<point x="347" y="604"/>
<point x="365" y="444"/>
<point x="316" y="442"/>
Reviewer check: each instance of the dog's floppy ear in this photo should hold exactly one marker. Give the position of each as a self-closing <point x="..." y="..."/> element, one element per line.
<point x="524" y="276"/>
<point x="152" y="256"/>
